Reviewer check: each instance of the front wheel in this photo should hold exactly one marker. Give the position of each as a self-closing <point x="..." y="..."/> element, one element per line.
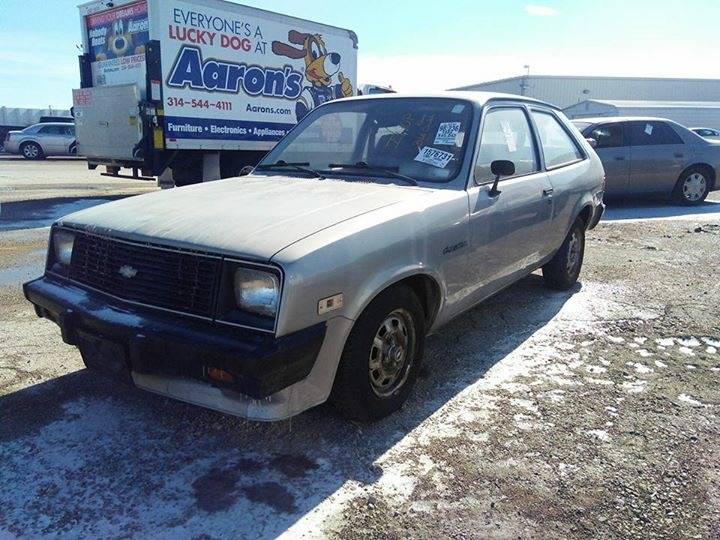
<point x="562" y="272"/>
<point x="381" y="359"/>
<point x="692" y="187"/>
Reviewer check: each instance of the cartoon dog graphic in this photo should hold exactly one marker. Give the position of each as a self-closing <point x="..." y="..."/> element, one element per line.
<point x="320" y="66"/>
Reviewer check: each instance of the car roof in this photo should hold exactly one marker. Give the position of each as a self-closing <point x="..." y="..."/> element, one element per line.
<point x="616" y="119"/>
<point x="53" y="124"/>
<point x="479" y="98"/>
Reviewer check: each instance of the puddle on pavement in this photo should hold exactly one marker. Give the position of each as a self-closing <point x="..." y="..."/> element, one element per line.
<point x="42" y="213"/>
<point x="32" y="266"/>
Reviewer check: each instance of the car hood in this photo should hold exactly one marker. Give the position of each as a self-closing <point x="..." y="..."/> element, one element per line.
<point x="249" y="216"/>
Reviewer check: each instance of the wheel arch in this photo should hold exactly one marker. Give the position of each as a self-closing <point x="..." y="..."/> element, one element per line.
<point x="31" y="141"/>
<point x="426" y="287"/>
<point x="702" y="165"/>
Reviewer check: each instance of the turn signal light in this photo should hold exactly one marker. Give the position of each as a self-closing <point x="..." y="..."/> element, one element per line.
<point x="220" y="375"/>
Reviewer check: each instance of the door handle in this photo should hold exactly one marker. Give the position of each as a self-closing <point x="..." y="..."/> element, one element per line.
<point x="548" y="191"/>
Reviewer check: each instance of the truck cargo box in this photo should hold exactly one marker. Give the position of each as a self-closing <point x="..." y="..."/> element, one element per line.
<point x="210" y="76"/>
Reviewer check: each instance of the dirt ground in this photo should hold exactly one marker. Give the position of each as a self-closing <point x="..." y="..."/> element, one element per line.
<point x="23" y="180"/>
<point x="592" y="413"/>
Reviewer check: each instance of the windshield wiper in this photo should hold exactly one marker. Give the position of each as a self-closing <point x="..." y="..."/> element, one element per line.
<point x="302" y="166"/>
<point x="361" y="165"/>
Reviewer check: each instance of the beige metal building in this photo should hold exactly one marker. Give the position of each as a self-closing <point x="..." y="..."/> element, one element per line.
<point x="687" y="113"/>
<point x="564" y="91"/>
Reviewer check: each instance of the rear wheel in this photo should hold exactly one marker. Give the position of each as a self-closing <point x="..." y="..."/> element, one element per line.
<point x="562" y="272"/>
<point x="692" y="187"/>
<point x="381" y="359"/>
<point x="31" y="150"/>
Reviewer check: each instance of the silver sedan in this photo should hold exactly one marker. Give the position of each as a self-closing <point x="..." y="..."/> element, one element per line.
<point x="41" y="140"/>
<point x="653" y="156"/>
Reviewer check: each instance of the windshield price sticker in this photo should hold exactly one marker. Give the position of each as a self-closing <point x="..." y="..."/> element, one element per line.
<point x="434" y="157"/>
<point x="447" y="133"/>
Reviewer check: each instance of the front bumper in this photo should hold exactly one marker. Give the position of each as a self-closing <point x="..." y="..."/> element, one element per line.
<point x="142" y="344"/>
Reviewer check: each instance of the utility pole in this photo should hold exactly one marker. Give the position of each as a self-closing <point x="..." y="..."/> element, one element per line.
<point x="525" y="82"/>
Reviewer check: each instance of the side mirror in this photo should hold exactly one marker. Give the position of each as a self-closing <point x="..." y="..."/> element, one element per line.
<point x="592" y="142"/>
<point x="247" y="169"/>
<point x="500" y="167"/>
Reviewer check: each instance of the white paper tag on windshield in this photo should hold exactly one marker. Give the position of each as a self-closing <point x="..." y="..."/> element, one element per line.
<point x="446" y="133"/>
<point x="434" y="157"/>
<point x="648" y="129"/>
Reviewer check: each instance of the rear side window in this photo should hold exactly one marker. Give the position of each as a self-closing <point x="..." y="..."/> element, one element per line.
<point x="506" y="135"/>
<point x="608" y="135"/>
<point x="652" y="133"/>
<point x="558" y="146"/>
<point x="51" y="130"/>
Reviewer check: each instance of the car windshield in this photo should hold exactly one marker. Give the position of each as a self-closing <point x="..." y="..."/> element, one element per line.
<point x="405" y="140"/>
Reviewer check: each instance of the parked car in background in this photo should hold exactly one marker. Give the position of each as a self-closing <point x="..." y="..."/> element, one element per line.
<point x="707" y="133"/>
<point x="372" y="223"/>
<point x="42" y="140"/>
<point x="653" y="156"/>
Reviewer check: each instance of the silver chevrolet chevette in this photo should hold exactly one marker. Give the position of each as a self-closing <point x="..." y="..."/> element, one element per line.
<point x="317" y="276"/>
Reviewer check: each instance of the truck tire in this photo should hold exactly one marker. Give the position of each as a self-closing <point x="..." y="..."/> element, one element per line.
<point x="562" y="272"/>
<point x="382" y="356"/>
<point x="692" y="187"/>
<point x="31" y="150"/>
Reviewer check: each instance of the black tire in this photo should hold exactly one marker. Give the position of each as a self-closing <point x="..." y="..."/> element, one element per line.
<point x="562" y="272"/>
<point x="31" y="150"/>
<point x="692" y="187"/>
<point x="359" y="392"/>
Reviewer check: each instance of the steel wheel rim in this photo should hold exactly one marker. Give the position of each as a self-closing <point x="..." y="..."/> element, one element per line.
<point x="694" y="187"/>
<point x="391" y="353"/>
<point x="573" y="253"/>
<point x="30" y="150"/>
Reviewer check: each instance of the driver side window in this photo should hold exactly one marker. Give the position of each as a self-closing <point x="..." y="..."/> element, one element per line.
<point x="506" y="135"/>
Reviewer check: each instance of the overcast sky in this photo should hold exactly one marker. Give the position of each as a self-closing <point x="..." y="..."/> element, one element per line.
<point x="417" y="45"/>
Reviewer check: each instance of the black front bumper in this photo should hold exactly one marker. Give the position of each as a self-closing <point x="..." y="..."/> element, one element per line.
<point x="119" y="338"/>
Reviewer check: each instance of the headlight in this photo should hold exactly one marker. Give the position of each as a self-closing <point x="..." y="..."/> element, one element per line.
<point x="249" y="295"/>
<point x="256" y="291"/>
<point x="63" y="242"/>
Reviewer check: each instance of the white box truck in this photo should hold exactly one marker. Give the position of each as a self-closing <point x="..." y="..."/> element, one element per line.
<point x="201" y="88"/>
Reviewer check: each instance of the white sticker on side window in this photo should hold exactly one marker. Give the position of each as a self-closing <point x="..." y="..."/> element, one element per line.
<point x="648" y="129"/>
<point x="446" y="133"/>
<point x="509" y="136"/>
<point x="434" y="157"/>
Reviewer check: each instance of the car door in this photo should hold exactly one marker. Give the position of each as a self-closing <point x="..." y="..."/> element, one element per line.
<point x="613" y="149"/>
<point x="567" y="169"/>
<point x="657" y="157"/>
<point x="68" y="135"/>
<point x="508" y="231"/>
<point x="51" y="139"/>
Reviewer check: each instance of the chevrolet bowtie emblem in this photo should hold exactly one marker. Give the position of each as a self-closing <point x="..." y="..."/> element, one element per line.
<point x="127" y="271"/>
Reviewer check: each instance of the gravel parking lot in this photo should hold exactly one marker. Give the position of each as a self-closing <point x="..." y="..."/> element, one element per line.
<point x="538" y="414"/>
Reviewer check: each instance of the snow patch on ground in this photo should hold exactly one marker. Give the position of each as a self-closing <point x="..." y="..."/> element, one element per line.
<point x="599" y="434"/>
<point x="689" y="400"/>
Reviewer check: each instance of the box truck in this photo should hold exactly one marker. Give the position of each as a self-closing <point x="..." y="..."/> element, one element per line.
<point x="199" y="88"/>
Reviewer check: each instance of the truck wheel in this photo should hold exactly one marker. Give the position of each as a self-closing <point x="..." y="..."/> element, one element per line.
<point x="31" y="150"/>
<point x="562" y="272"/>
<point x="692" y="187"/>
<point x="382" y="356"/>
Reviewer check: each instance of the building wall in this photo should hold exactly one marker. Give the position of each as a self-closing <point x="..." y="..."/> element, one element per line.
<point x="566" y="91"/>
